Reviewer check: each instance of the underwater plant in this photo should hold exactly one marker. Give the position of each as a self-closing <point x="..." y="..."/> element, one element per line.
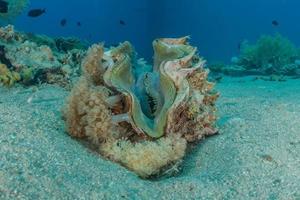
<point x="270" y="55"/>
<point x="141" y="116"/>
<point x="15" y="8"/>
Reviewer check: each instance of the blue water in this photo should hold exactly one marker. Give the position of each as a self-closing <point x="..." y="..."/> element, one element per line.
<point x="216" y="26"/>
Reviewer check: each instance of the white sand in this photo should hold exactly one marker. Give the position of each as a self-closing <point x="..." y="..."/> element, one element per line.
<point x="256" y="156"/>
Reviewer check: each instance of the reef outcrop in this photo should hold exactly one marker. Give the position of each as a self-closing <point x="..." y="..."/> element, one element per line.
<point x="138" y="115"/>
<point x="34" y="59"/>
<point x="15" y="7"/>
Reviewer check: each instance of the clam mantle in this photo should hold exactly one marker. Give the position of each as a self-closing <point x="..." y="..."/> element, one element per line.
<point x="122" y="103"/>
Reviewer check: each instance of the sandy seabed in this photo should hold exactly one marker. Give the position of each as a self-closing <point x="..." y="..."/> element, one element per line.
<point x="255" y="156"/>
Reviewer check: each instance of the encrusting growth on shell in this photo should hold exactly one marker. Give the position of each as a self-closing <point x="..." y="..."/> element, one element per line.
<point x="146" y="158"/>
<point x="140" y="116"/>
<point x="92" y="65"/>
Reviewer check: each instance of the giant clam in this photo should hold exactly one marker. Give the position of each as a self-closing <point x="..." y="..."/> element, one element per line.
<point x="168" y="104"/>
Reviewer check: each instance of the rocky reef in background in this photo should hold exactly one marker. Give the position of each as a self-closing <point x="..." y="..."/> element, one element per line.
<point x="31" y="59"/>
<point x="272" y="56"/>
<point x="143" y="117"/>
<point x="15" y="7"/>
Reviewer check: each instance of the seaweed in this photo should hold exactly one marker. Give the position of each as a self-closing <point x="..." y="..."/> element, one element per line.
<point x="270" y="55"/>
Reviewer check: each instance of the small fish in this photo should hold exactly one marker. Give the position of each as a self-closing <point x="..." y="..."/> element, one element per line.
<point x="239" y="46"/>
<point x="78" y="23"/>
<point x="122" y="22"/>
<point x="36" y="12"/>
<point x="3" y="6"/>
<point x="275" y="23"/>
<point x="63" y="22"/>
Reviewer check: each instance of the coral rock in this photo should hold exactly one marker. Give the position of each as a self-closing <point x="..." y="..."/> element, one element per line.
<point x="34" y="55"/>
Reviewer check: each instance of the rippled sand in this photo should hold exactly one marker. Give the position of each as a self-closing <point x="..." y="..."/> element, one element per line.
<point x="255" y="156"/>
